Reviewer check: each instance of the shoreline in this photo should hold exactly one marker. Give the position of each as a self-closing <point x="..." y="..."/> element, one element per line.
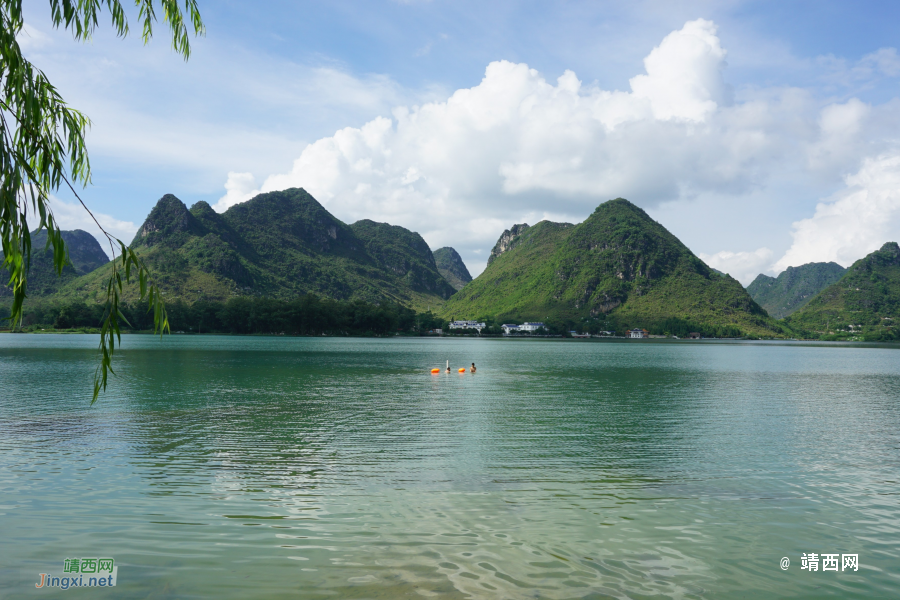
<point x="461" y="336"/>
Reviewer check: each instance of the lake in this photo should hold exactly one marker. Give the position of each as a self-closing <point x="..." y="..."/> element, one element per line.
<point x="277" y="467"/>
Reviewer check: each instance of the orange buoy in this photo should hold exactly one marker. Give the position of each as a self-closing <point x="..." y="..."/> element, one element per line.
<point x="462" y="370"/>
<point x="435" y="370"/>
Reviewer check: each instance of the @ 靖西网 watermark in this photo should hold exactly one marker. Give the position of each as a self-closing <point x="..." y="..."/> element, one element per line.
<point x="810" y="562"/>
<point x="81" y="572"/>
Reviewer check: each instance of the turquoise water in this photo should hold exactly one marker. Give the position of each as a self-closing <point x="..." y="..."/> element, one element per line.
<point x="259" y="467"/>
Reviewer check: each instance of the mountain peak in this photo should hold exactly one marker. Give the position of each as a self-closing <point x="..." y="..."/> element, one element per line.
<point x="291" y="217"/>
<point x="201" y="208"/>
<point x="169" y="222"/>
<point x="450" y="264"/>
<point x="891" y="248"/>
<point x="620" y="203"/>
<point x="635" y="245"/>
<point x="618" y="267"/>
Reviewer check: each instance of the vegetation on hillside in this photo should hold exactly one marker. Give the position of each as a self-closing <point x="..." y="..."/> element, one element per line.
<point x="618" y="269"/>
<point x="405" y="254"/>
<point x="281" y="245"/>
<point x="864" y="304"/>
<point x="451" y="266"/>
<point x="794" y="287"/>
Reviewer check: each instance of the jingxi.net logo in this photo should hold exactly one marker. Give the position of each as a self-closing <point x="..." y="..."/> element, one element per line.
<point x="81" y="572"/>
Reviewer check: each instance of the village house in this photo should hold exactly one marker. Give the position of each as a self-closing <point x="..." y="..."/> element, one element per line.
<point x="638" y="333"/>
<point x="467" y="325"/>
<point x="509" y="328"/>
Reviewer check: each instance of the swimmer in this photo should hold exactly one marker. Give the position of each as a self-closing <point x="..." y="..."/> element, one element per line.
<point x="473" y="368"/>
<point x="448" y="367"/>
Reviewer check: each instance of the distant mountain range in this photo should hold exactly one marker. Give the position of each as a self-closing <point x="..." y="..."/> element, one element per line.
<point x="618" y="269"/>
<point x="619" y="265"/>
<point x="794" y="287"/>
<point x="864" y="303"/>
<point x="85" y="255"/>
<point x="452" y="267"/>
<point x="278" y="244"/>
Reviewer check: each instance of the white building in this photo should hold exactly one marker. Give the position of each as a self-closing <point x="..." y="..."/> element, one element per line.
<point x="467" y="325"/>
<point x="638" y="333"/>
<point x="509" y="328"/>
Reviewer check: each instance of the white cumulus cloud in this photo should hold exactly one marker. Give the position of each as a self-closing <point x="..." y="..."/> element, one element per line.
<point x="684" y="74"/>
<point x="743" y="266"/>
<point x="856" y="221"/>
<point x="517" y="148"/>
<point x="240" y="187"/>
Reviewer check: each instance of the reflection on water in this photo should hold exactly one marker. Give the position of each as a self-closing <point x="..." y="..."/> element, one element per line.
<point x="336" y="468"/>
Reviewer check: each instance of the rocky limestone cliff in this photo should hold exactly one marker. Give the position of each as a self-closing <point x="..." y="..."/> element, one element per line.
<point x="507" y="239"/>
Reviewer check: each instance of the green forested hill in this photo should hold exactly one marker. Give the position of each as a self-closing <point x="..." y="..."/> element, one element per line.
<point x="85" y="255"/>
<point x="864" y="303"/>
<point x="794" y="287"/>
<point x="405" y="254"/>
<point x="279" y="244"/>
<point x="618" y="265"/>
<point x="452" y="267"/>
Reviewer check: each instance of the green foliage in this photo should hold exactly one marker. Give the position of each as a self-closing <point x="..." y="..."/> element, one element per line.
<point x="619" y="266"/>
<point x="81" y="17"/>
<point x="519" y="283"/>
<point x="794" y="287"/>
<point x="404" y="253"/>
<point x="864" y="304"/>
<point x="42" y="148"/>
<point x="305" y="315"/>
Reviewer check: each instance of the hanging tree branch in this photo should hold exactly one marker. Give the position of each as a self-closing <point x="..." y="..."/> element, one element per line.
<point x="42" y="147"/>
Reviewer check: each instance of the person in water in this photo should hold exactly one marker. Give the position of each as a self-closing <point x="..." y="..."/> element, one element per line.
<point x="473" y="368"/>
<point x="448" y="369"/>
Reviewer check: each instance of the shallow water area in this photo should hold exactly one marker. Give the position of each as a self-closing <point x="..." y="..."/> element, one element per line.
<point x="272" y="467"/>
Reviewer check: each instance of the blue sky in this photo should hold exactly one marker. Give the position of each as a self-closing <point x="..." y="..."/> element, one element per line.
<point x="764" y="136"/>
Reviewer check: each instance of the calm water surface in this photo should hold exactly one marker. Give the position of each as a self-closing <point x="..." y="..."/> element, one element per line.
<point x="251" y="467"/>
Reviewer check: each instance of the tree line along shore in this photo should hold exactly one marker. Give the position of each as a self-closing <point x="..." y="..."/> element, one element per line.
<point x="312" y="315"/>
